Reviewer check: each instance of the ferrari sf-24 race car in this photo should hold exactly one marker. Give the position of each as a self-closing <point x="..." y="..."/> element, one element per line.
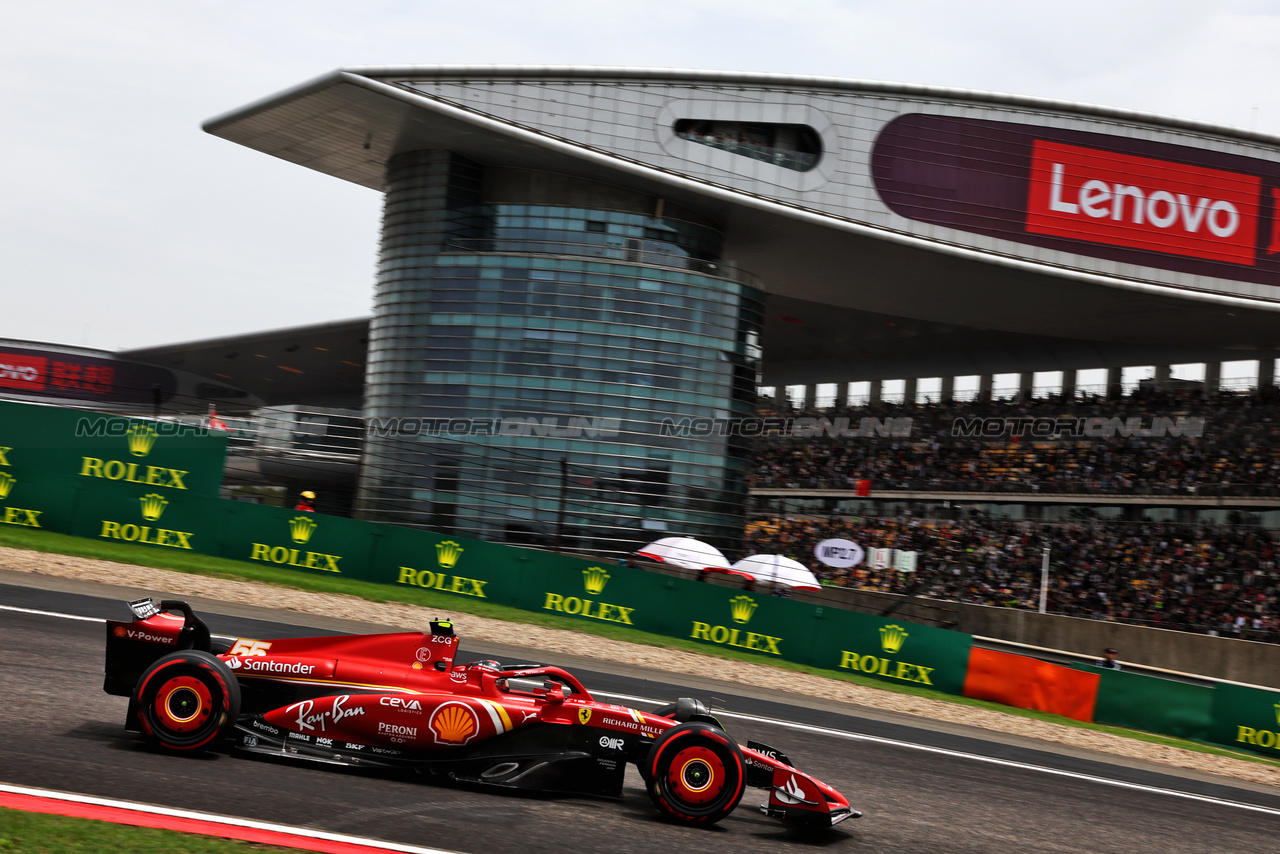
<point x="399" y="701"/>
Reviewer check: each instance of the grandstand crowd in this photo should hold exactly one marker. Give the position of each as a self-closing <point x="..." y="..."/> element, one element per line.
<point x="1221" y="579"/>
<point x="1238" y="453"/>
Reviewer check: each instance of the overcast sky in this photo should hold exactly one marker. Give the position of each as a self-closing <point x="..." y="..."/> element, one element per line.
<point x="125" y="225"/>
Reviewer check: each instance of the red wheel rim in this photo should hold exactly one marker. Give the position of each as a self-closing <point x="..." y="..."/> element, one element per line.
<point x="697" y="775"/>
<point x="183" y="704"/>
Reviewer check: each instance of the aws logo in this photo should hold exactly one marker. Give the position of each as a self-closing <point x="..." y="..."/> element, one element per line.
<point x="741" y="609"/>
<point x="892" y="639"/>
<point x="152" y="507"/>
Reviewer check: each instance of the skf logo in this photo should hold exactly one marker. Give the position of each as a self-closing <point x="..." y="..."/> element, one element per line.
<point x="141" y="439"/>
<point x="892" y="638"/>
<point x="448" y="553"/>
<point x="6" y="484"/>
<point x="454" y="723"/>
<point x="152" y="506"/>
<point x="301" y="528"/>
<point x="584" y="716"/>
<point x="741" y="608"/>
<point x="595" y="579"/>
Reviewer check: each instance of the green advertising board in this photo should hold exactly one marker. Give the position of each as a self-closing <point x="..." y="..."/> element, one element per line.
<point x="1246" y="718"/>
<point x="452" y="565"/>
<point x="161" y="455"/>
<point x="289" y="539"/>
<point x="33" y="499"/>
<point x="144" y="515"/>
<point x="1152" y="704"/>
<point x="895" y="651"/>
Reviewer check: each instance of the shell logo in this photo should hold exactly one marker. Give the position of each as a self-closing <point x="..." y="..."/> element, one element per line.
<point x="454" y="723"/>
<point x="120" y="631"/>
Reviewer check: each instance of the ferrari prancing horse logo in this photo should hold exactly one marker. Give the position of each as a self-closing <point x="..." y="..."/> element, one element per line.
<point x="584" y="715"/>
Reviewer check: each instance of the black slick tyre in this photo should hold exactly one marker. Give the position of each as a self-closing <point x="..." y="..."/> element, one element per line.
<point x="186" y="701"/>
<point x="695" y="773"/>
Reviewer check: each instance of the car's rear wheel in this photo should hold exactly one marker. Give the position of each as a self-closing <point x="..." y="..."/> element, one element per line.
<point x="695" y="773"/>
<point x="186" y="701"/>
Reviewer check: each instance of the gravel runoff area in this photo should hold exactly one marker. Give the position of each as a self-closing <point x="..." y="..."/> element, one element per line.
<point x="638" y="655"/>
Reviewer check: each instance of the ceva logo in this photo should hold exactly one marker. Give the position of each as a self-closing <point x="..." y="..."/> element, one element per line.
<point x="1143" y="203"/>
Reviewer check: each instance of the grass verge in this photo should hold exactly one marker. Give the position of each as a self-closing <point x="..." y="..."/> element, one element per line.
<point x="45" y="541"/>
<point x="38" y="833"/>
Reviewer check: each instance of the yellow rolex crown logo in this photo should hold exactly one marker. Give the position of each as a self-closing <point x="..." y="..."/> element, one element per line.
<point x="301" y="528"/>
<point x="6" y="484"/>
<point x="595" y="579"/>
<point x="741" y="608"/>
<point x="153" y="505"/>
<point x="448" y="553"/>
<point x="584" y="715"/>
<point x="892" y="638"/>
<point x="141" y="439"/>
<point x="1278" y="713"/>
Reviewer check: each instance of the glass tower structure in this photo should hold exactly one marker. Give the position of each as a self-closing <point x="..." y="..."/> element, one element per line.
<point x="545" y="358"/>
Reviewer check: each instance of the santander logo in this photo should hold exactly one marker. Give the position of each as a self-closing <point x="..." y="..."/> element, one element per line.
<point x="1143" y="203"/>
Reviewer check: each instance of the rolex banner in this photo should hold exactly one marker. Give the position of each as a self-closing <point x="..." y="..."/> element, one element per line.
<point x="32" y="499"/>
<point x="1246" y="718"/>
<point x="291" y="539"/>
<point x="892" y="650"/>
<point x="163" y="456"/>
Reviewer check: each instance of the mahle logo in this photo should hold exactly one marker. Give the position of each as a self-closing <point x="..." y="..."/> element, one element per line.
<point x="595" y="578"/>
<point x="892" y="638"/>
<point x="6" y="484"/>
<point x="741" y="608"/>
<point x="142" y="438"/>
<point x="301" y="528"/>
<point x="153" y="505"/>
<point x="448" y="553"/>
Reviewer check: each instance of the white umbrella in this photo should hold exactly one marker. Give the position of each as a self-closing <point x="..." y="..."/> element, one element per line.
<point x="685" y="552"/>
<point x="779" y="570"/>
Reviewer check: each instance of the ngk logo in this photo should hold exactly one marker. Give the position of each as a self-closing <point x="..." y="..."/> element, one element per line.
<point x="1123" y="200"/>
<point x="22" y="371"/>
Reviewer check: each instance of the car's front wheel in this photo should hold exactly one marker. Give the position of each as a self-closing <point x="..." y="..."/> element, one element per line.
<point x="186" y="701"/>
<point x="695" y="773"/>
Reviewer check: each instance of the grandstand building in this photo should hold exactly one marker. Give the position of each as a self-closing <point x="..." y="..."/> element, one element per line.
<point x="573" y="257"/>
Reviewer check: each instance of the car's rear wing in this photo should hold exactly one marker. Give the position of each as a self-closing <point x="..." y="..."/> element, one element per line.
<point x="154" y="632"/>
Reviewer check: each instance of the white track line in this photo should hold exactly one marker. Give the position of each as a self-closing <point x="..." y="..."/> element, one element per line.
<point x="52" y="614"/>
<point x="853" y="736"/>
<point x="220" y="819"/>
<point x="1007" y="763"/>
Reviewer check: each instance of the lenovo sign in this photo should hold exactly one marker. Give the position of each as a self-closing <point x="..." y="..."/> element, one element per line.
<point x="1088" y="194"/>
<point x="24" y="372"/>
<point x="1124" y="199"/>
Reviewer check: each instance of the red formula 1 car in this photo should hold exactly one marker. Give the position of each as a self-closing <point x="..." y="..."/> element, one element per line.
<point x="399" y="701"/>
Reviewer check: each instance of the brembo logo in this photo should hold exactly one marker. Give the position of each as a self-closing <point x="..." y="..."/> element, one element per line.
<point x="1139" y="202"/>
